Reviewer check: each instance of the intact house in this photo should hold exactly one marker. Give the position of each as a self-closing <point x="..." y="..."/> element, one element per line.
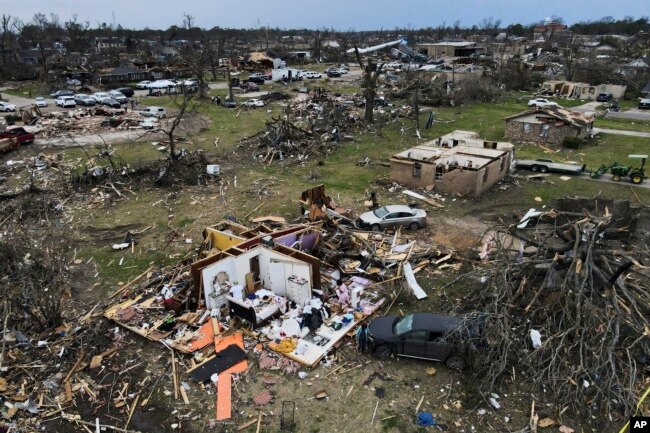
<point x="457" y="163"/>
<point x="548" y="125"/>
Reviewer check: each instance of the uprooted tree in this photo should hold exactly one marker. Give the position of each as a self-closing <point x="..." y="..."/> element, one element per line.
<point x="583" y="287"/>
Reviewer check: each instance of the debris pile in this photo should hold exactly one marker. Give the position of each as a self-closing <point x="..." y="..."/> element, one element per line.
<point x="566" y="298"/>
<point x="85" y="120"/>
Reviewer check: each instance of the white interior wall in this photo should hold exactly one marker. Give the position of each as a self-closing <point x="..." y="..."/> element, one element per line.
<point x="209" y="274"/>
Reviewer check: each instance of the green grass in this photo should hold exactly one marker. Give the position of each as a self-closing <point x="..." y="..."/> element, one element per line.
<point x="27" y="88"/>
<point x="623" y="124"/>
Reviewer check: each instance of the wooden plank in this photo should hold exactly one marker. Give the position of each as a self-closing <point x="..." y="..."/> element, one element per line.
<point x="224" y="403"/>
<point x="184" y="395"/>
<point x="130" y="283"/>
<point x="246" y="424"/>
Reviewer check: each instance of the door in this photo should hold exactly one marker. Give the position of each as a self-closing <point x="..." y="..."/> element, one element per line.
<point x="277" y="279"/>
<point x="414" y="344"/>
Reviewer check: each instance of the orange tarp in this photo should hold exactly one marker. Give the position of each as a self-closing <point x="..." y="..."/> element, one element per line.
<point x="224" y="385"/>
<point x="205" y="337"/>
<point x="224" y="405"/>
<point x="221" y="343"/>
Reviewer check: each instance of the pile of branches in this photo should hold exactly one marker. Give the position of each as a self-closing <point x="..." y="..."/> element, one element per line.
<point x="582" y="285"/>
<point x="307" y="130"/>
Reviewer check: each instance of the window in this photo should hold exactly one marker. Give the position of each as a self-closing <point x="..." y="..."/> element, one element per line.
<point x="417" y="335"/>
<point x="485" y="175"/>
<point x="417" y="169"/>
<point x="503" y="163"/>
<point x="545" y="129"/>
<point x="526" y="128"/>
<point x="440" y="170"/>
<point x="381" y="212"/>
<point x="404" y="325"/>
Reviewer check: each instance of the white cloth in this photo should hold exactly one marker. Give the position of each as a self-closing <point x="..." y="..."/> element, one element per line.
<point x="237" y="292"/>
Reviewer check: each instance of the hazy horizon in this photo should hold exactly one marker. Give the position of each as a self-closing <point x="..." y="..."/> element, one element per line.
<point x="336" y="14"/>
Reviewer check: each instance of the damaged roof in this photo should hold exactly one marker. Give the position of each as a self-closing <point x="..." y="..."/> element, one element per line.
<point x="570" y="117"/>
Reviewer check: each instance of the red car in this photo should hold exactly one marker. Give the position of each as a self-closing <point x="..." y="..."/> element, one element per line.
<point x="19" y="133"/>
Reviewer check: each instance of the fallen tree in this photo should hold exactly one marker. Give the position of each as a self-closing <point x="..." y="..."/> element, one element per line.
<point x="570" y="316"/>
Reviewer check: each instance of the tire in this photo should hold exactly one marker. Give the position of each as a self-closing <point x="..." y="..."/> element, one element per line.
<point x="414" y="226"/>
<point x="382" y="352"/>
<point x="534" y="167"/>
<point x="455" y="363"/>
<point x="375" y="227"/>
<point x="616" y="177"/>
<point x="636" y="178"/>
<point x="543" y="169"/>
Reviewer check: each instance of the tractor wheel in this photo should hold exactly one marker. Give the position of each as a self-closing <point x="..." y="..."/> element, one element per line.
<point x="616" y="177"/>
<point x="636" y="178"/>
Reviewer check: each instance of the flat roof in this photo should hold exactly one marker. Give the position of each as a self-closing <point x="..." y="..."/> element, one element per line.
<point x="448" y="44"/>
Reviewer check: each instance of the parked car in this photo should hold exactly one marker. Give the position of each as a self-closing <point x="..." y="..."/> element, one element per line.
<point x="73" y="82"/>
<point x="64" y="92"/>
<point x="126" y="91"/>
<point x="98" y="96"/>
<point x="110" y="102"/>
<point x="333" y="73"/>
<point x="257" y="75"/>
<point x="430" y="336"/>
<point x="254" y="79"/>
<point x="542" y="102"/>
<point x="118" y="96"/>
<point x="65" y="102"/>
<point x="229" y="103"/>
<point x="86" y="100"/>
<point x="154" y="112"/>
<point x="312" y="74"/>
<point x="19" y="134"/>
<point x="5" y="106"/>
<point x="393" y="216"/>
<point x="142" y="84"/>
<point x="644" y="103"/>
<point x="40" y="102"/>
<point x="254" y="103"/>
<point x="604" y="97"/>
<point x="249" y="86"/>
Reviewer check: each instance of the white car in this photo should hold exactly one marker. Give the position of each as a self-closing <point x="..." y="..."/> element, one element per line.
<point x="542" y="102"/>
<point x="254" y="103"/>
<point x="40" y="101"/>
<point x="154" y="112"/>
<point x="118" y="96"/>
<point x="98" y="96"/>
<point x="65" y="101"/>
<point x="142" y="84"/>
<point x="5" y="106"/>
<point x="312" y="74"/>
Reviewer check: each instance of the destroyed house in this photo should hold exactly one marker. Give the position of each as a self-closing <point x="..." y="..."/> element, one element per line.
<point x="548" y="125"/>
<point x="449" y="49"/>
<point x="458" y="163"/>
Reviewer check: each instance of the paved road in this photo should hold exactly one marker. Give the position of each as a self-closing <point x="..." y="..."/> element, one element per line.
<point x="621" y="132"/>
<point x="631" y="114"/>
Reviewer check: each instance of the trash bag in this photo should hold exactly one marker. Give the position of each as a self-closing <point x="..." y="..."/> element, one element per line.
<point x="426" y="419"/>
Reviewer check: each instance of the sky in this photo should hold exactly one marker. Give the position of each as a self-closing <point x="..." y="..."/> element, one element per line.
<point x="337" y="14"/>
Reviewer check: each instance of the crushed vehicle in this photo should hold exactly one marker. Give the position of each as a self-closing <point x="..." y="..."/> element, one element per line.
<point x="393" y="216"/>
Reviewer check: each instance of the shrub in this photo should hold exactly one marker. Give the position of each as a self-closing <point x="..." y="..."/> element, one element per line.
<point x="572" y="142"/>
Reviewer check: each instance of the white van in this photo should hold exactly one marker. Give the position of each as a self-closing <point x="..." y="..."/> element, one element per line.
<point x="154" y="112"/>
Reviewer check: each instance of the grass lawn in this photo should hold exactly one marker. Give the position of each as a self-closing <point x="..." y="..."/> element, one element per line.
<point x="623" y="124"/>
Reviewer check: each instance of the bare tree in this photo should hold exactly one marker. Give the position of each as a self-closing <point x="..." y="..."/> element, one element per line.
<point x="184" y="102"/>
<point x="6" y="21"/>
<point x="371" y="73"/>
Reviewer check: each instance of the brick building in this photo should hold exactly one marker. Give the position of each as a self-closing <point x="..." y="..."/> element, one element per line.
<point x="548" y="125"/>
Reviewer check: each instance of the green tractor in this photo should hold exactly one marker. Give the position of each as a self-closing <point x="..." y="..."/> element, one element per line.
<point x="618" y="171"/>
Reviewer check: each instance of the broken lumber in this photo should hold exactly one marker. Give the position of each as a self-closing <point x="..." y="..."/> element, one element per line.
<point x="423" y="198"/>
